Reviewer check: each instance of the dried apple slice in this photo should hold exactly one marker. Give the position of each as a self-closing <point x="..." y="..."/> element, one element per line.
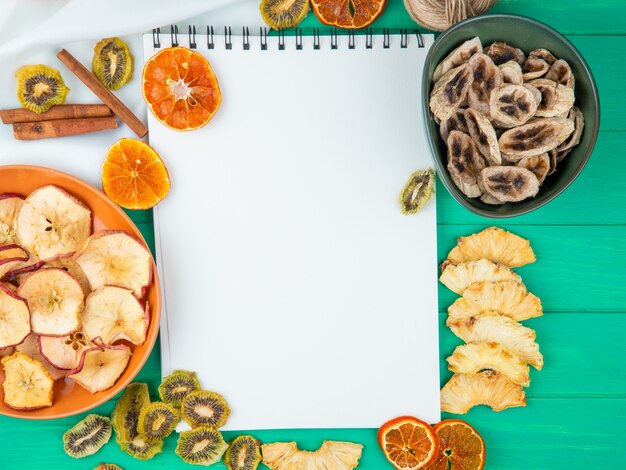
<point x="11" y="257"/>
<point x="30" y="347"/>
<point x="100" y="367"/>
<point x="10" y="205"/>
<point x="27" y="384"/>
<point x="65" y="352"/>
<point x="114" y="313"/>
<point x="55" y="300"/>
<point x="14" y="318"/>
<point x="68" y="263"/>
<point x="113" y="257"/>
<point x="52" y="222"/>
<point x="460" y="277"/>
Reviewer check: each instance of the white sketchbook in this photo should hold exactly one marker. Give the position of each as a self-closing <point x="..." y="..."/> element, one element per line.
<point x="293" y="284"/>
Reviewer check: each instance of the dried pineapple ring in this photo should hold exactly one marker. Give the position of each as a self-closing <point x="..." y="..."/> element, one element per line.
<point x="464" y="391"/>
<point x="10" y="205"/>
<point x="113" y="257"/>
<point x="472" y="358"/>
<point x="30" y="347"/>
<point x="100" y="367"/>
<point x="52" y="222"/>
<point x="332" y="454"/>
<point x="508" y="298"/>
<point x="65" y="352"/>
<point x="495" y="245"/>
<point x="11" y="258"/>
<point x="27" y="384"/>
<point x="14" y="318"/>
<point x="460" y="277"/>
<point x="113" y="313"/>
<point x="55" y="300"/>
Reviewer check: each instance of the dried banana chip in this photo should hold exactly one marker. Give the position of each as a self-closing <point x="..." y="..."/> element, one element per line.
<point x="561" y="72"/>
<point x="456" y="122"/>
<point x="484" y="136"/>
<point x="417" y="191"/>
<point x="508" y="298"/>
<point x="458" y="56"/>
<point x="495" y="328"/>
<point x="459" y="277"/>
<point x="543" y="54"/>
<point x="508" y="183"/>
<point x="512" y="105"/>
<point x="501" y="52"/>
<point x="536" y="137"/>
<point x="574" y="139"/>
<point x="464" y="163"/>
<point x="534" y="67"/>
<point x="511" y="73"/>
<point x="450" y="92"/>
<point x="485" y="77"/>
<point x="556" y="99"/>
<point x="464" y="391"/>
<point x="537" y="164"/>
<point x="495" y="245"/>
<point x="475" y="357"/>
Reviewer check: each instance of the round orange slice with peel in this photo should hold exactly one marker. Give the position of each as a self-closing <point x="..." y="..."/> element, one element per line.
<point x="348" y="14"/>
<point x="134" y="176"/>
<point x="460" y="447"/>
<point x="180" y="88"/>
<point x="408" y="443"/>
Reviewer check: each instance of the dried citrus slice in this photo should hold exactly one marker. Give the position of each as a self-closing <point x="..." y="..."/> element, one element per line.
<point x="348" y="14"/>
<point x="134" y="176"/>
<point x="180" y="88"/>
<point x="408" y="443"/>
<point x="460" y="447"/>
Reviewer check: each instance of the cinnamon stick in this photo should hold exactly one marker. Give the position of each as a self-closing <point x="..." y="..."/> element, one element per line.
<point x="61" y="127"/>
<point x="61" y="111"/>
<point x="103" y="93"/>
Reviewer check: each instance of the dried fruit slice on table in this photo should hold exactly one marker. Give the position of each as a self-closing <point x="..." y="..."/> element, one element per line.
<point x="457" y="57"/>
<point x="55" y="300"/>
<point x="114" y="313"/>
<point x="30" y="347"/>
<point x="204" y="408"/>
<point x="27" y="384"/>
<point x="157" y="421"/>
<point x="408" y="443"/>
<point x="348" y="14"/>
<point x="125" y="416"/>
<point x="65" y="352"/>
<point x="201" y="446"/>
<point x="87" y="437"/>
<point x="460" y="277"/>
<point x="180" y="88"/>
<point x="112" y="63"/>
<point x="460" y="447"/>
<point x="101" y="367"/>
<point x="52" y="222"/>
<point x="495" y="245"/>
<point x="332" y="454"/>
<point x="108" y="466"/>
<point x="279" y="14"/>
<point x="474" y="357"/>
<point x="10" y="205"/>
<point x="134" y="175"/>
<point x="244" y="453"/>
<point x="40" y="87"/>
<point x="177" y="386"/>
<point x="14" y="318"/>
<point x="141" y="449"/>
<point x="112" y="257"/>
<point x="464" y="391"/>
<point x="12" y="257"/>
<point x="417" y="191"/>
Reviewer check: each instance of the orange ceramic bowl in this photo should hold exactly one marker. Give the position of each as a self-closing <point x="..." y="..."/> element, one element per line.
<point x="69" y="397"/>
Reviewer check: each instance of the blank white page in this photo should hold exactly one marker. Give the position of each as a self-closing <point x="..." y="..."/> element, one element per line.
<point x="293" y="284"/>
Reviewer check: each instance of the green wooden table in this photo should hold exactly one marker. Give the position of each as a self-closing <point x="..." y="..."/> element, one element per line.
<point x="577" y="403"/>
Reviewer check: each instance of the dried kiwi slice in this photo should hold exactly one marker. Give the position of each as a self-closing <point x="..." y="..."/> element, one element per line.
<point x="125" y="417"/>
<point x="244" y="453"/>
<point x="280" y="14"/>
<point x="87" y="437"/>
<point x="141" y="449"/>
<point x="112" y="63"/>
<point x="157" y="421"/>
<point x="204" y="408"/>
<point x="40" y="87"/>
<point x="201" y="446"/>
<point x="177" y="386"/>
<point x="417" y="191"/>
<point x="108" y="466"/>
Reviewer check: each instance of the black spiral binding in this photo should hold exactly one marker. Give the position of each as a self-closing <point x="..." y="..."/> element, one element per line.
<point x="263" y="34"/>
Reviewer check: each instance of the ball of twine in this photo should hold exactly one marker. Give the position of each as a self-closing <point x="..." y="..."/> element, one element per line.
<point x="441" y="14"/>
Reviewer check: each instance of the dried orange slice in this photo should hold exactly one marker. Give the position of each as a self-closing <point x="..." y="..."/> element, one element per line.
<point x="460" y="447"/>
<point x="408" y="443"/>
<point x="180" y="88"/>
<point x="348" y="14"/>
<point x="134" y="176"/>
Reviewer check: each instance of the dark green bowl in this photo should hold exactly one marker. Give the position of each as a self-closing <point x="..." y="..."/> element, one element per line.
<point x="527" y="34"/>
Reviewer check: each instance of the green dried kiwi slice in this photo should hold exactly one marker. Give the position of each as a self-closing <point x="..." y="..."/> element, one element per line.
<point x="108" y="466"/>
<point x="417" y="191"/>
<point x="177" y="386"/>
<point x="201" y="446"/>
<point x="40" y="87"/>
<point x="204" y="408"/>
<point x="141" y="449"/>
<point x="87" y="437"/>
<point x="244" y="453"/>
<point x="280" y="14"/>
<point x="125" y="417"/>
<point x="112" y="63"/>
<point x="157" y="421"/>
